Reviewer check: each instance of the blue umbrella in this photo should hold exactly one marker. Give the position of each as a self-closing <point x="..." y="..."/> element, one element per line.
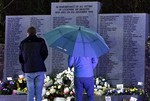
<point x="76" y="41"/>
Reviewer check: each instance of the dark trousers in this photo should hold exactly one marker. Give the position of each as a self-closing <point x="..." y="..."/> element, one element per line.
<point x="81" y="83"/>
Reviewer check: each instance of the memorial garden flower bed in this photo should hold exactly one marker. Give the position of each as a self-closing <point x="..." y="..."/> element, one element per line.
<point x="62" y="85"/>
<point x="16" y="87"/>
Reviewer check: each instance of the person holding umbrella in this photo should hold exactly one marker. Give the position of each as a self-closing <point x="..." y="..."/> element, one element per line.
<point x="83" y="46"/>
<point x="83" y="75"/>
<point x="33" y="52"/>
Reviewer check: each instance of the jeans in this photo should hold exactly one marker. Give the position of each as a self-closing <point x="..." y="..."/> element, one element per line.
<point x="35" y="83"/>
<point x="81" y="83"/>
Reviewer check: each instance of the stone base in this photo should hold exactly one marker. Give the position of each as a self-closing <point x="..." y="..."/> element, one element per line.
<point x="116" y="98"/>
<point x="97" y="98"/>
<point x="13" y="97"/>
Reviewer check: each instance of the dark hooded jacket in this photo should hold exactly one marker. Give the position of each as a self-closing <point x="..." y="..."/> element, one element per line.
<point x="33" y="52"/>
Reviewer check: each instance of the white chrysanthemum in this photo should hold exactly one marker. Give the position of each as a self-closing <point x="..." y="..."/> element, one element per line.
<point x="52" y="91"/>
<point x="105" y="84"/>
<point x="59" y="86"/>
<point x="68" y="75"/>
<point x="65" y="71"/>
<point x="69" y="98"/>
<point x="108" y="85"/>
<point x="99" y="92"/>
<point x="99" y="87"/>
<point x="66" y="90"/>
<point x="44" y="100"/>
<point x="72" y="73"/>
<point x="59" y="81"/>
<point x="55" y="82"/>
<point x="68" y="69"/>
<point x="48" y="83"/>
<point x="71" y="92"/>
<point x="58" y="75"/>
<point x="47" y="93"/>
<point x="71" y="78"/>
<point x="103" y="79"/>
<point x="97" y="81"/>
<point x="72" y="69"/>
<point x="47" y="79"/>
<point x="95" y="90"/>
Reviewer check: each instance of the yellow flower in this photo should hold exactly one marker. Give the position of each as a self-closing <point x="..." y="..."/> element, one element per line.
<point x="19" y="80"/>
<point x="24" y="79"/>
<point x="18" y="88"/>
<point x="25" y="90"/>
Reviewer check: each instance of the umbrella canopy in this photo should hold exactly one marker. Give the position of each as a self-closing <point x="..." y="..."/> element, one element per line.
<point x="76" y="41"/>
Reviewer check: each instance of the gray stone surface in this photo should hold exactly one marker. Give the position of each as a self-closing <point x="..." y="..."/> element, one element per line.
<point x="13" y="97"/>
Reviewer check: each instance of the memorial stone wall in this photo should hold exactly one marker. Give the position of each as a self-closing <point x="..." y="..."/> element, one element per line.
<point x="125" y="34"/>
<point x="72" y="13"/>
<point x="16" y="31"/>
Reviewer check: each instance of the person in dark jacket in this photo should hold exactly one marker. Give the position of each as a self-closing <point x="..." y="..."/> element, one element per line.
<point x="33" y="52"/>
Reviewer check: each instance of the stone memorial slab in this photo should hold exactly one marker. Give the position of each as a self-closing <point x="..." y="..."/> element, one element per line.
<point x="16" y="31"/>
<point x="72" y="13"/>
<point x="126" y="35"/>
